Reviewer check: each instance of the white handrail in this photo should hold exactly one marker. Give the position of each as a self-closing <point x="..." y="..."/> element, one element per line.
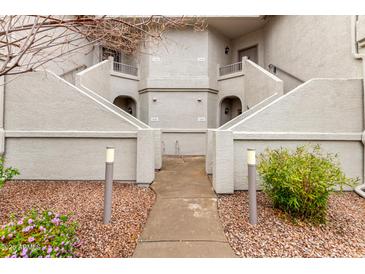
<point x="231" y="68"/>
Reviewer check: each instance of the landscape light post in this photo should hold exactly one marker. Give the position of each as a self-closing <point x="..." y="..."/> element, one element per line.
<point x="108" y="184"/>
<point x="252" y="202"/>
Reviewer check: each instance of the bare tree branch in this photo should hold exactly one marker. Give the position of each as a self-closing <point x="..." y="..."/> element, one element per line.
<point x="31" y="41"/>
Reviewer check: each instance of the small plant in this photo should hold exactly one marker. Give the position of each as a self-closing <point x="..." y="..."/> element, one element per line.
<point x="6" y="173"/>
<point x="300" y="182"/>
<point x="38" y="235"/>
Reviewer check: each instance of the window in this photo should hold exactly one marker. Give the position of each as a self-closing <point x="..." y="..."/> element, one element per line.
<point x="119" y="56"/>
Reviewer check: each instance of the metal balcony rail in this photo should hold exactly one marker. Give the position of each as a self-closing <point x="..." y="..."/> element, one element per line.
<point x="124" y="68"/>
<point x="232" y="68"/>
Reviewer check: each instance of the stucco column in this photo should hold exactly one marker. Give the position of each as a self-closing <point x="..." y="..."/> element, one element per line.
<point x="158" y="148"/>
<point x="145" y="156"/>
<point x="223" y="181"/>
<point x="209" y="152"/>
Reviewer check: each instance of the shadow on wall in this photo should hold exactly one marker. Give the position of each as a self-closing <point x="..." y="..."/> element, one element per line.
<point x="230" y="108"/>
<point x="126" y="103"/>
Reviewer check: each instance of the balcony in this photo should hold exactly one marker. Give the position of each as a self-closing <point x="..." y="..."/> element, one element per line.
<point x="231" y="68"/>
<point x="125" y="69"/>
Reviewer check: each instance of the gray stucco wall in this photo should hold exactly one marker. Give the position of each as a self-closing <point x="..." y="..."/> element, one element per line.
<point x="350" y="155"/>
<point x="311" y="46"/>
<point x="122" y="85"/>
<point x="217" y="43"/>
<point x="328" y="112"/>
<point x="189" y="142"/>
<point x="97" y="78"/>
<point x="70" y="158"/>
<point x="259" y="84"/>
<point x="43" y="101"/>
<point x="319" y="105"/>
<point x="180" y="60"/>
<point x="178" y="109"/>
<point x="54" y="130"/>
<point x="255" y="38"/>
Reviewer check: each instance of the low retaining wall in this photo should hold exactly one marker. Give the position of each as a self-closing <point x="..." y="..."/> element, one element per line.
<point x="328" y="112"/>
<point x="56" y="131"/>
<point x="184" y="142"/>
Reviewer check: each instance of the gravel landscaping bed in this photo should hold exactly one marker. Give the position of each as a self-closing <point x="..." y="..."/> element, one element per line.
<point x="131" y="205"/>
<point x="277" y="236"/>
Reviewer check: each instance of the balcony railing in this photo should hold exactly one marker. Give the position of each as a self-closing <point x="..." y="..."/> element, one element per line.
<point x="232" y="68"/>
<point x="124" y="68"/>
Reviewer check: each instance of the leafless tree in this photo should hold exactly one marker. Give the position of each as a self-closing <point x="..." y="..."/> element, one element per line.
<point x="29" y="42"/>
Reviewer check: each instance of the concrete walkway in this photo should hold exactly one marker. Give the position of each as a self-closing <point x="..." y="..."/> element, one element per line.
<point x="184" y="221"/>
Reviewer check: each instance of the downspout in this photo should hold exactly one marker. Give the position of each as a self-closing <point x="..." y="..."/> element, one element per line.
<point x="355" y="53"/>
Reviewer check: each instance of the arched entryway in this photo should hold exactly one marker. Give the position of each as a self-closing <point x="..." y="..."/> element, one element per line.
<point x="230" y="107"/>
<point x="126" y="103"/>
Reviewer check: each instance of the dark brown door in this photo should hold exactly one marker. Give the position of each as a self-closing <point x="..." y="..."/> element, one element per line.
<point x="250" y="52"/>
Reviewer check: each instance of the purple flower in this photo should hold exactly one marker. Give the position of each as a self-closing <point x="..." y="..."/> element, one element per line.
<point x="63" y="243"/>
<point x="48" y="256"/>
<point x="44" y="248"/>
<point x="27" y="229"/>
<point x="41" y="228"/>
<point x="30" y="221"/>
<point x="56" y="249"/>
<point x="49" y="250"/>
<point x="24" y="252"/>
<point x="55" y="221"/>
<point x="10" y="236"/>
<point x="2" y="237"/>
<point x="13" y="256"/>
<point x="31" y="239"/>
<point x="20" y="222"/>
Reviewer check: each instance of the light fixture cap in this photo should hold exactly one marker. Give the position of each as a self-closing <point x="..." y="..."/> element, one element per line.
<point x="251" y="156"/>
<point x="110" y="151"/>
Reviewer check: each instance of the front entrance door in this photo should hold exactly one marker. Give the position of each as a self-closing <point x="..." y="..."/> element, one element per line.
<point x="250" y="52"/>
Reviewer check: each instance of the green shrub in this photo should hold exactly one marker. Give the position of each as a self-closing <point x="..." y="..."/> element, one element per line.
<point x="6" y="173"/>
<point x="38" y="235"/>
<point x="299" y="182"/>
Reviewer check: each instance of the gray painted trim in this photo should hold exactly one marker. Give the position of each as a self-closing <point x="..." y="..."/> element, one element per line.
<point x="319" y="136"/>
<point x="124" y="76"/>
<point x="70" y="134"/>
<point x="230" y="76"/>
<point x="185" y="130"/>
<point x="210" y="90"/>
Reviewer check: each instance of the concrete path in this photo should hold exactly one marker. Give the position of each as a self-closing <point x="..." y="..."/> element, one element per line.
<point x="184" y="221"/>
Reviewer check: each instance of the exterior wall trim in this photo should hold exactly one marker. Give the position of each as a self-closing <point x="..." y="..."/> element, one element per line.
<point x="185" y="130"/>
<point x="123" y="75"/>
<point x="70" y="134"/>
<point x="214" y="91"/>
<point x="318" y="136"/>
<point x="232" y="75"/>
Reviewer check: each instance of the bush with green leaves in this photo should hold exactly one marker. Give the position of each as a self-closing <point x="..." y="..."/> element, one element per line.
<point x="6" y="173"/>
<point x="299" y="182"/>
<point x="39" y="235"/>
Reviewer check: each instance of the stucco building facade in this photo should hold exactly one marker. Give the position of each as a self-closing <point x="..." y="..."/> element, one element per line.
<point x="258" y="81"/>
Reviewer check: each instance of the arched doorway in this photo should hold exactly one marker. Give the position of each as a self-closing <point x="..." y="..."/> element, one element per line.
<point x="126" y="103"/>
<point x="230" y="107"/>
